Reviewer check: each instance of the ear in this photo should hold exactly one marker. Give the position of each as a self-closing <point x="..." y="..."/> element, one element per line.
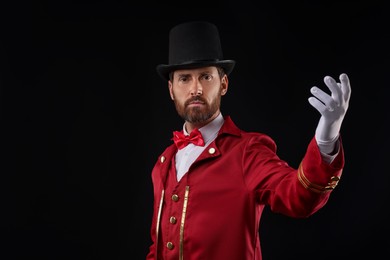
<point x="224" y="85"/>
<point x="170" y="86"/>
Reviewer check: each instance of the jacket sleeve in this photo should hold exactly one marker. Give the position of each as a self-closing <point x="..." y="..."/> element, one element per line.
<point x="293" y="191"/>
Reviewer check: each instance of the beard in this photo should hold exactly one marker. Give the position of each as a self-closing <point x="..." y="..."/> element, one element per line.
<point x="196" y="115"/>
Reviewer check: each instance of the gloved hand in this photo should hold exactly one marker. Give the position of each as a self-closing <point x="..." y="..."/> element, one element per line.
<point x="332" y="109"/>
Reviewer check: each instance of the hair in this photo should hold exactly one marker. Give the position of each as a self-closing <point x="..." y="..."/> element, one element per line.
<point x="221" y="73"/>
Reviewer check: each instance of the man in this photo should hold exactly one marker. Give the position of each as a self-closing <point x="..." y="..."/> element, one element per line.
<point x="212" y="184"/>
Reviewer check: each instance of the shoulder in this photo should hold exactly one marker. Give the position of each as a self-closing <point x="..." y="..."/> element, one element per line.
<point x="254" y="139"/>
<point x="231" y="133"/>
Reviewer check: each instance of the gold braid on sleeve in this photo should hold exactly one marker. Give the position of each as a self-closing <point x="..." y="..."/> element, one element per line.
<point x="315" y="187"/>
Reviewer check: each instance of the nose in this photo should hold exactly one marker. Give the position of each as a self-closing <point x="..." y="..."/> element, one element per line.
<point x="197" y="89"/>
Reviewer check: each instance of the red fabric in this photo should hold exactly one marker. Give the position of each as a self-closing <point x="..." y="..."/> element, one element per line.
<point x="230" y="183"/>
<point x="181" y="140"/>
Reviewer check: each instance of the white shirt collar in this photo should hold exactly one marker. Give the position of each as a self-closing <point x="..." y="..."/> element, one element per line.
<point x="211" y="129"/>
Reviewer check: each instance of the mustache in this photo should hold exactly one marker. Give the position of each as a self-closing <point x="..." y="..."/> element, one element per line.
<point x="195" y="99"/>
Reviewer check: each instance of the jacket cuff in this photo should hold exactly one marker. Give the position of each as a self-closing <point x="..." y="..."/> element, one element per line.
<point x="317" y="175"/>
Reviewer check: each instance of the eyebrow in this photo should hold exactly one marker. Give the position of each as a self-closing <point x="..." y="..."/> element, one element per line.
<point x="183" y="74"/>
<point x="200" y="73"/>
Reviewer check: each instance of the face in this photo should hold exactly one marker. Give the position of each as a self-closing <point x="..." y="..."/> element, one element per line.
<point x="197" y="94"/>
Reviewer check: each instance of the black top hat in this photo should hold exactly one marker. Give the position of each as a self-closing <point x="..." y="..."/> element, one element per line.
<point x="193" y="45"/>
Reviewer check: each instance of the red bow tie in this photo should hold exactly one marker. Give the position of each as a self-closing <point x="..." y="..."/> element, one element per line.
<point x="182" y="140"/>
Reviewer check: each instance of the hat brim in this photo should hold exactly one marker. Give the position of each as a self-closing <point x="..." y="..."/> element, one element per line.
<point x="163" y="70"/>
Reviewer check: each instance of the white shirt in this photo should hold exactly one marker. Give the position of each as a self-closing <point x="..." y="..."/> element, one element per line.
<point x="186" y="156"/>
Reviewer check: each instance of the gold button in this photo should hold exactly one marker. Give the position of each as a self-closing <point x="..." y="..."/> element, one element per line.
<point x="330" y="187"/>
<point x="212" y="150"/>
<point x="175" y="197"/>
<point x="170" y="245"/>
<point x="172" y="220"/>
<point x="334" y="179"/>
<point x="162" y="159"/>
<point x="333" y="182"/>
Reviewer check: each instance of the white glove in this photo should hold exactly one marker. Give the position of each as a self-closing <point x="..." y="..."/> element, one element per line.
<point x="332" y="109"/>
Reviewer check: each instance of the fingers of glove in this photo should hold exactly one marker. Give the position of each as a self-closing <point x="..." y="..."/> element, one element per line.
<point x="317" y="105"/>
<point x="325" y="98"/>
<point x="345" y="87"/>
<point x="334" y="87"/>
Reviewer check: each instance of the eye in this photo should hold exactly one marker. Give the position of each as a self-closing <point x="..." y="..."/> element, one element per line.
<point x="207" y="77"/>
<point x="183" y="78"/>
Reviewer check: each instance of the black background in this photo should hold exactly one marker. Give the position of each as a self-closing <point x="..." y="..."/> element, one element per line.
<point x="84" y="116"/>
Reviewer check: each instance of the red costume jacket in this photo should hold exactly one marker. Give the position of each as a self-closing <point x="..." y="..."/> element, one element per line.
<point x="213" y="212"/>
